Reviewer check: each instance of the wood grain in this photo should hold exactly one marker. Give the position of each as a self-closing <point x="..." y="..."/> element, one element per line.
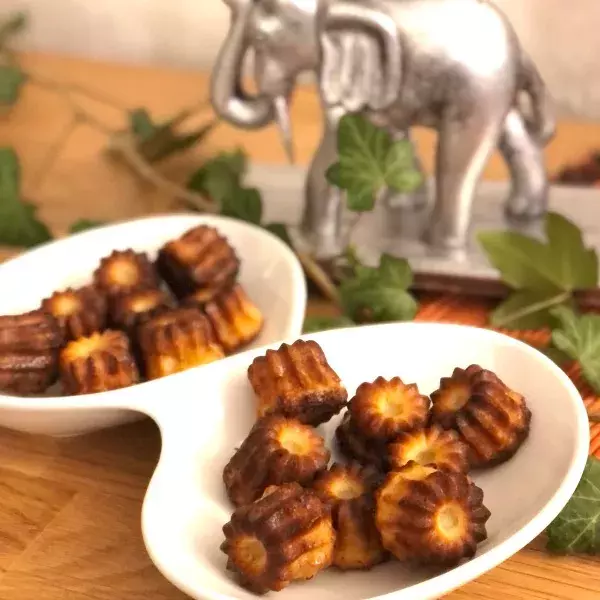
<point x="70" y="508"/>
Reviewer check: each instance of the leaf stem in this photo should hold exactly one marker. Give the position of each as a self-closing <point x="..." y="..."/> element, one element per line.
<point x="534" y="308"/>
<point x="54" y="152"/>
<point x="318" y="276"/>
<point x="122" y="148"/>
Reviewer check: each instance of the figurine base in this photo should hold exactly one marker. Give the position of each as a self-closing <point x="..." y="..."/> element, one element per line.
<point x="401" y="235"/>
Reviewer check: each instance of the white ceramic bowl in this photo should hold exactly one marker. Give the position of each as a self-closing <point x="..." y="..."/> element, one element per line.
<point x="270" y="273"/>
<point x="204" y="414"/>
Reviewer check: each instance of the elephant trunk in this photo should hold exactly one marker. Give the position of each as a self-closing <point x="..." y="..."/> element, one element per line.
<point x="230" y="101"/>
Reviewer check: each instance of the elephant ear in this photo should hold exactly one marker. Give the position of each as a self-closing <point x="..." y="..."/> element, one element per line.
<point x="361" y="57"/>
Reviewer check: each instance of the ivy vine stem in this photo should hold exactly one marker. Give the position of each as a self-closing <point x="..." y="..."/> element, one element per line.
<point x="534" y="308"/>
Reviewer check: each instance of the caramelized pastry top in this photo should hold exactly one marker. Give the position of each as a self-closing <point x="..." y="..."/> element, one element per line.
<point x="383" y="409"/>
<point x="433" y="447"/>
<point x="80" y="312"/>
<point x="297" y="381"/>
<point x="200" y="258"/>
<point x="455" y="391"/>
<point x="202" y="239"/>
<point x="108" y="341"/>
<point x="429" y="516"/>
<point x="97" y="363"/>
<point x="124" y="271"/>
<point x="235" y="319"/>
<point x="489" y="417"/>
<point x="127" y="310"/>
<point x="345" y="482"/>
<point x="175" y="340"/>
<point x="277" y="450"/>
<point x="287" y="535"/>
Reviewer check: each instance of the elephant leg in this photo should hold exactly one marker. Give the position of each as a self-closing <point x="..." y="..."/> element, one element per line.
<point x="414" y="200"/>
<point x="323" y="209"/>
<point x="525" y="160"/>
<point x="464" y="148"/>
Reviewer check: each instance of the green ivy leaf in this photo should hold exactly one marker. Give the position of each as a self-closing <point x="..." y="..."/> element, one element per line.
<point x="369" y="161"/>
<point x="316" y="324"/>
<point x="221" y="180"/>
<point x="562" y="263"/>
<point x="141" y="124"/>
<point x="156" y="141"/>
<point x="11" y="80"/>
<point x="379" y="294"/>
<point x="576" y="266"/>
<point x="544" y="275"/>
<point x="84" y="225"/>
<point x="18" y="223"/>
<point x="396" y="270"/>
<point x="525" y="309"/>
<point x="578" y="337"/>
<point x="220" y="176"/>
<point x="401" y="173"/>
<point x="244" y="204"/>
<point x="377" y="303"/>
<point x="577" y="527"/>
<point x="523" y="262"/>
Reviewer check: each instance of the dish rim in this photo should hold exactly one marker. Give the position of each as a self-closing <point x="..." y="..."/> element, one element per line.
<point x="103" y="399"/>
<point x="471" y="570"/>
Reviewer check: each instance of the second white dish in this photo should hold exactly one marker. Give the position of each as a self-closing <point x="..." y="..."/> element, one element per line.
<point x="269" y="272"/>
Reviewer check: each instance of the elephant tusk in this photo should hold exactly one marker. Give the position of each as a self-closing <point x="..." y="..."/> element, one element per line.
<point x="282" y="118"/>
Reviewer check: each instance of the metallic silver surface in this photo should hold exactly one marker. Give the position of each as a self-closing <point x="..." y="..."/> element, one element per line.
<point x="452" y="65"/>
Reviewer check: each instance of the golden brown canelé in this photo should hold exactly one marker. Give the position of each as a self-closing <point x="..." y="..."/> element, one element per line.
<point x="201" y="297"/>
<point x="176" y="340"/>
<point x="490" y="418"/>
<point x="201" y="259"/>
<point x="277" y="450"/>
<point x="430" y="517"/>
<point x="29" y="332"/>
<point x="297" y="381"/>
<point x="80" y="312"/>
<point x="124" y="271"/>
<point x="355" y="446"/>
<point x="285" y="536"/>
<point x="348" y="489"/>
<point x="25" y="374"/>
<point x="434" y="447"/>
<point x="98" y="363"/>
<point x="385" y="408"/>
<point x="346" y="482"/>
<point x="29" y="345"/>
<point x="235" y="319"/>
<point x="128" y="310"/>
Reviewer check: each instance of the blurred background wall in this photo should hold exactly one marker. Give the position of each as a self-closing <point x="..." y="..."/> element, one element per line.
<point x="562" y="36"/>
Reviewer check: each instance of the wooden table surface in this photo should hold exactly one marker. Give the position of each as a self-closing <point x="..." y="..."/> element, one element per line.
<point x="70" y="508"/>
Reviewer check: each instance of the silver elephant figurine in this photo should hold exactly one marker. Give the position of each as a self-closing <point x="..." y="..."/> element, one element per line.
<point x="453" y="65"/>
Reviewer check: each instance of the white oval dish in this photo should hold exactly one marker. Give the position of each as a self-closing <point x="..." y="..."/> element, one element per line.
<point x="270" y="273"/>
<point x="204" y="414"/>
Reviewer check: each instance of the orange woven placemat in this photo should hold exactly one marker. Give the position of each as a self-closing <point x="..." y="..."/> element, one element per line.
<point x="457" y="309"/>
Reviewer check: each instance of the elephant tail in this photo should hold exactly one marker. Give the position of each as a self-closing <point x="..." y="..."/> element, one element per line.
<point x="542" y="124"/>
